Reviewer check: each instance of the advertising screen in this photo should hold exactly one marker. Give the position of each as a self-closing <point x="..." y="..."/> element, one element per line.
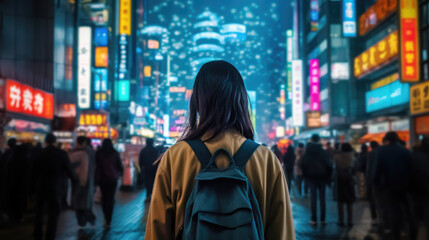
<point x="84" y="67"/>
<point x="297" y="94"/>
<point x="393" y="94"/>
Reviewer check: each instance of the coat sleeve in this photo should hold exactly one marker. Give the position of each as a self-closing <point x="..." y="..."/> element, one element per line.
<point x="160" y="222"/>
<point x="279" y="213"/>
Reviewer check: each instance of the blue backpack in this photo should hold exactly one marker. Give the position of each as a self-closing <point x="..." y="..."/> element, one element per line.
<point x="222" y="204"/>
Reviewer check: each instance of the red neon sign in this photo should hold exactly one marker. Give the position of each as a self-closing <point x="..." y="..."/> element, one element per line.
<point x="21" y="98"/>
<point x="409" y="42"/>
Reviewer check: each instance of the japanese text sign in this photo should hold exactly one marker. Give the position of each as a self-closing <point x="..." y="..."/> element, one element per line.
<point x="409" y="34"/>
<point x="378" y="12"/>
<point x="419" y="101"/>
<point x="349" y="18"/>
<point x="84" y="67"/>
<point x="125" y="17"/>
<point x="297" y="94"/>
<point x="314" y="85"/>
<point x="21" y="98"/>
<point x="378" y="54"/>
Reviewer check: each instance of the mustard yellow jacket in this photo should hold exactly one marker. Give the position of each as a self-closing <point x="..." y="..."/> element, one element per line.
<point x="175" y="179"/>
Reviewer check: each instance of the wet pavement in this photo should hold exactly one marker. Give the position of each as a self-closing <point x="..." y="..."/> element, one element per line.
<point x="130" y="217"/>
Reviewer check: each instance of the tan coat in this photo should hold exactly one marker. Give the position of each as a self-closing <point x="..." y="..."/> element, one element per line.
<point x="175" y="179"/>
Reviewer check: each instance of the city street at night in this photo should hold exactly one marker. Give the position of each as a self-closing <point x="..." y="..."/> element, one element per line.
<point x="214" y="119"/>
<point x="130" y="221"/>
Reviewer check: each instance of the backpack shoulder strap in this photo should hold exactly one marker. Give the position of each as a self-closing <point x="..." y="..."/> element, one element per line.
<point x="201" y="151"/>
<point x="245" y="153"/>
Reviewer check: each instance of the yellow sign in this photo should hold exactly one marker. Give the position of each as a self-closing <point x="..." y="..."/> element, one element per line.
<point x="125" y="17"/>
<point x="385" y="81"/>
<point x="378" y="54"/>
<point x="147" y="71"/>
<point x="419" y="98"/>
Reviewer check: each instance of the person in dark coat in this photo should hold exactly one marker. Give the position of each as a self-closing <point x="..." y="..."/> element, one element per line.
<point x="317" y="169"/>
<point x="108" y="170"/>
<point x="344" y="182"/>
<point x="50" y="168"/>
<point x="6" y="157"/>
<point x="370" y="190"/>
<point x="419" y="182"/>
<point x="147" y="157"/>
<point x="289" y="164"/>
<point x="391" y="176"/>
<point x="16" y="183"/>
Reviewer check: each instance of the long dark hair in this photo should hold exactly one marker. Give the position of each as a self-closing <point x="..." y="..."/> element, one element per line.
<point x="219" y="102"/>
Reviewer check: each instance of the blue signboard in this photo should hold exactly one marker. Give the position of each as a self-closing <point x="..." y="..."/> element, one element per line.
<point x="100" y="80"/>
<point x="349" y="18"/>
<point x="101" y="36"/>
<point x="394" y="94"/>
<point x="314" y="15"/>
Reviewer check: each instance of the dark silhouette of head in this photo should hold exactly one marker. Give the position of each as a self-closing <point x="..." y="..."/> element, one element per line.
<point x="11" y="142"/>
<point x="219" y="102"/>
<point x="363" y="148"/>
<point x="374" y="145"/>
<point x="88" y="141"/>
<point x="50" y="139"/>
<point x="301" y="145"/>
<point x="391" y="138"/>
<point x="346" y="147"/>
<point x="107" y="146"/>
<point x="149" y="141"/>
<point x="81" y="140"/>
<point x="315" y="138"/>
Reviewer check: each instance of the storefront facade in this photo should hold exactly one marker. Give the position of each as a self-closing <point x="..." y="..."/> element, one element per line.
<point x="27" y="112"/>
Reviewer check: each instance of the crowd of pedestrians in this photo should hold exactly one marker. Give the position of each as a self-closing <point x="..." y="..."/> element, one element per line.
<point x="35" y="181"/>
<point x="395" y="181"/>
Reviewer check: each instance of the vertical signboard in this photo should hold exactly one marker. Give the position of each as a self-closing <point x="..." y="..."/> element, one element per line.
<point x="123" y="82"/>
<point x="297" y="94"/>
<point x="349" y="18"/>
<point x="289" y="35"/>
<point x="314" y="85"/>
<point x="125" y="17"/>
<point x="314" y="15"/>
<point x="409" y="41"/>
<point x="84" y="67"/>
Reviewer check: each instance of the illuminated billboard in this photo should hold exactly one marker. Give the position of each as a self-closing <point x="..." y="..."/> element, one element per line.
<point x="152" y="44"/>
<point x="409" y="39"/>
<point x="349" y="18"/>
<point x="419" y="102"/>
<point x="101" y="57"/>
<point x="314" y="85"/>
<point x="101" y="36"/>
<point x="376" y="14"/>
<point x="314" y="15"/>
<point x="123" y="90"/>
<point x="297" y="94"/>
<point x="393" y="94"/>
<point x="378" y="54"/>
<point x="84" y="67"/>
<point x="100" y="80"/>
<point x="21" y="98"/>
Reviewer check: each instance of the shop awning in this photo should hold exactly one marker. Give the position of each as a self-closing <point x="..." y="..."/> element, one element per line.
<point x="378" y="137"/>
